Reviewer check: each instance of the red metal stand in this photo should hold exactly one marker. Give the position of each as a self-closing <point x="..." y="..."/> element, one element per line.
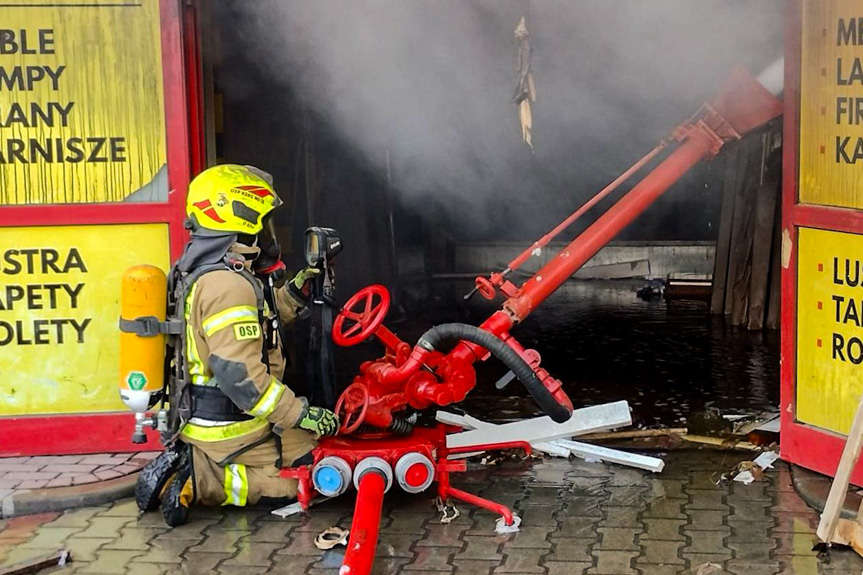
<point x="429" y="442"/>
<point x="305" y="492"/>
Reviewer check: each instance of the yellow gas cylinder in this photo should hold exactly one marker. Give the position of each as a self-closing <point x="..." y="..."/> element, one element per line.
<point x="143" y="294"/>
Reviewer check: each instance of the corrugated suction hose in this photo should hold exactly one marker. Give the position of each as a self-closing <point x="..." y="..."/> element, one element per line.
<point x="438" y="335"/>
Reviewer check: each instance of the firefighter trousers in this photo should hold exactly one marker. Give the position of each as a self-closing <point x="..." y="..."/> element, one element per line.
<point x="245" y="478"/>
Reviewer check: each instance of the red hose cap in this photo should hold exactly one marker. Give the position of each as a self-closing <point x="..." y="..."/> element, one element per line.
<point x="414" y="472"/>
<point x="416" y="475"/>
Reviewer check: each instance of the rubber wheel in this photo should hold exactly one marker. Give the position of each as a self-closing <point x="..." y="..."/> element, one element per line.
<point x="152" y="479"/>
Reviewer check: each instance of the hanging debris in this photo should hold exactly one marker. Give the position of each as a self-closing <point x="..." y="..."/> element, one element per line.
<point x="525" y="91"/>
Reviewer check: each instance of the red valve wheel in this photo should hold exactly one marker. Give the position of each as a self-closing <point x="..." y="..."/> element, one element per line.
<point x="485" y="288"/>
<point x="352" y="406"/>
<point x="365" y="312"/>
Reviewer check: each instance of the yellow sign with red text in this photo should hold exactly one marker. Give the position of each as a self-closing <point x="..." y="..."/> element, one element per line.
<point x="59" y="308"/>
<point x="829" y="328"/>
<point x="82" y="115"/>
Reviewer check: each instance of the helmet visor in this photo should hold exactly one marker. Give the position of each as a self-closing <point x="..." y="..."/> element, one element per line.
<point x="271" y="252"/>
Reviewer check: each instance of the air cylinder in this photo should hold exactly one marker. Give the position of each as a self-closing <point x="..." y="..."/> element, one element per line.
<point x="143" y="297"/>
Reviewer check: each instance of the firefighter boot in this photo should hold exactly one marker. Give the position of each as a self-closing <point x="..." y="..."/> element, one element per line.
<point x="155" y="475"/>
<point x="179" y="494"/>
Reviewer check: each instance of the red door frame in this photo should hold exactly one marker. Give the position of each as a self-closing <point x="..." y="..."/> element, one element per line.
<point x="803" y="444"/>
<point x="93" y="433"/>
<point x="194" y="81"/>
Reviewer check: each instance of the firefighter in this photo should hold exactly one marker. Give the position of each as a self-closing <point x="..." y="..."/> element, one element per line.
<point x="242" y="422"/>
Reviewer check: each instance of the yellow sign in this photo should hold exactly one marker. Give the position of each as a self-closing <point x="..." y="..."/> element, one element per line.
<point x="59" y="307"/>
<point x="829" y="328"/>
<point x="831" y="104"/>
<point x="81" y="102"/>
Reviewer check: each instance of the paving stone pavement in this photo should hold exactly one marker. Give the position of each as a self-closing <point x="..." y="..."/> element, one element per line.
<point x="24" y="473"/>
<point x="579" y="518"/>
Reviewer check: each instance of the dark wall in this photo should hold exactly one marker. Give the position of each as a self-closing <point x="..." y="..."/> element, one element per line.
<point x="266" y="126"/>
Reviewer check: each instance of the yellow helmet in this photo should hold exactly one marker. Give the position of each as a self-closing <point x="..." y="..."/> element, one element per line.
<point x="230" y="198"/>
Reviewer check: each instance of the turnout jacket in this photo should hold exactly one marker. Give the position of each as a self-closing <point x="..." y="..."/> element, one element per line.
<point x="225" y="335"/>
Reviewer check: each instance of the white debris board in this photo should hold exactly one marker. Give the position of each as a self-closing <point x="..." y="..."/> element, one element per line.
<point x="611" y="455"/>
<point x="584" y="420"/>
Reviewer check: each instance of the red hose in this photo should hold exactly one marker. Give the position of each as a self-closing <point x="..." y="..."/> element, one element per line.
<point x="360" y="554"/>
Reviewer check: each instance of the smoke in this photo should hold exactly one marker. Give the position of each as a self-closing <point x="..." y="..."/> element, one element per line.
<point x="431" y="82"/>
<point x="773" y="77"/>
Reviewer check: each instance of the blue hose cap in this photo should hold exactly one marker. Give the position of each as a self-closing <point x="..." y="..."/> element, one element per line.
<point x="328" y="480"/>
<point x="331" y="476"/>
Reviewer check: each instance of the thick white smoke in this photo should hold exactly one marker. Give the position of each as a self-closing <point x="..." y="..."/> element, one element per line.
<point x="432" y="80"/>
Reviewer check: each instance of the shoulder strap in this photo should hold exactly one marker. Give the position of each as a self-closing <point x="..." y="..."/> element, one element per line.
<point x="259" y="289"/>
<point x="259" y="297"/>
<point x="176" y="368"/>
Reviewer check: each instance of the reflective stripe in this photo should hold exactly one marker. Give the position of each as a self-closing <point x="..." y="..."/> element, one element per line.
<point x="236" y="485"/>
<point x="200" y="421"/>
<point x="196" y="366"/>
<point x="232" y="315"/>
<point x="221" y="432"/>
<point x="267" y="403"/>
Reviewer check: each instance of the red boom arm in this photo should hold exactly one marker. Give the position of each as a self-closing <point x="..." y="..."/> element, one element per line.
<point x="420" y="378"/>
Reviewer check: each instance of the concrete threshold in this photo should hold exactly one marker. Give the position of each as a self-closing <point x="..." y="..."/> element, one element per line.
<point x="28" y="502"/>
<point x="813" y="488"/>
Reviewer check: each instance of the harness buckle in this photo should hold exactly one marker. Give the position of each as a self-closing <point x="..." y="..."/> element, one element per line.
<point x="150" y="326"/>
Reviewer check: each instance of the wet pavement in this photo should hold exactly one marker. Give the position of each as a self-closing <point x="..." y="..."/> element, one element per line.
<point x="605" y="344"/>
<point x="577" y="518"/>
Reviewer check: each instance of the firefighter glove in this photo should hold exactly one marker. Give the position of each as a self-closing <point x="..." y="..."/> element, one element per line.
<point x="305" y="275"/>
<point x="319" y="421"/>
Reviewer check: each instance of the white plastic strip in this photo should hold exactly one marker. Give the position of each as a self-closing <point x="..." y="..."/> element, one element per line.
<point x="539" y="429"/>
